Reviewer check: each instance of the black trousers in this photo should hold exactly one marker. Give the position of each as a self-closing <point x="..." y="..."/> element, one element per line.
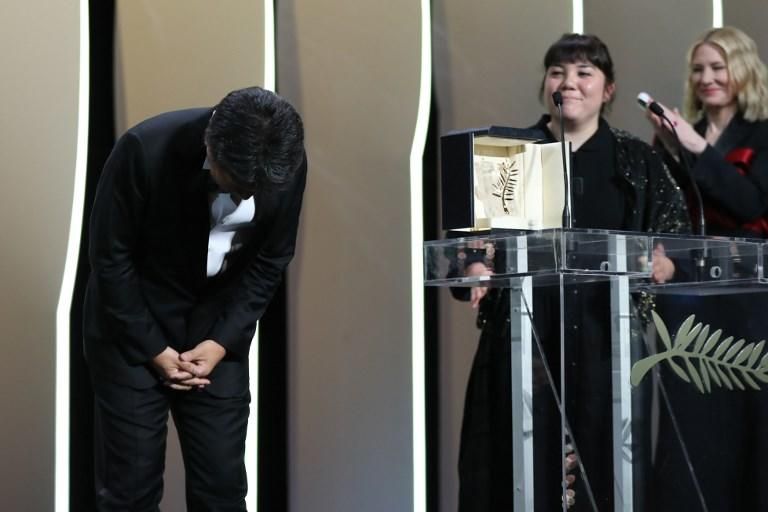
<point x="130" y="435"/>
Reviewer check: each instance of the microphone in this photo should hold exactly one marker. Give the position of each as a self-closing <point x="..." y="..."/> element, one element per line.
<point x="557" y="99"/>
<point x="699" y="257"/>
<point x="645" y="100"/>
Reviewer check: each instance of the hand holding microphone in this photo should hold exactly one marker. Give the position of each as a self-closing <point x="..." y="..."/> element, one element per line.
<point x="656" y="113"/>
<point x="677" y="128"/>
<point x="677" y="135"/>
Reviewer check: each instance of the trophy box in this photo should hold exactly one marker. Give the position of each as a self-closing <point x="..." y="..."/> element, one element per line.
<point x="499" y="177"/>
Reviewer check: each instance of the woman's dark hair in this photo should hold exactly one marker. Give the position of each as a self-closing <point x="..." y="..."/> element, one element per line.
<point x="576" y="48"/>
<point x="257" y="137"/>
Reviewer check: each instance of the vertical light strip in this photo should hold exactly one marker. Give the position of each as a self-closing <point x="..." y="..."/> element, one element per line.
<point x="417" y="267"/>
<point x="270" y="69"/>
<point x="717" y="13"/>
<point x="578" y="16"/>
<point x="252" y="435"/>
<point x="64" y="306"/>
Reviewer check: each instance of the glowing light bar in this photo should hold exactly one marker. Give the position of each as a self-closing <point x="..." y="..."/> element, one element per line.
<point x="64" y="306"/>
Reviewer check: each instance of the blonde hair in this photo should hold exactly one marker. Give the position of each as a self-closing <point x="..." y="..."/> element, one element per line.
<point x="747" y="74"/>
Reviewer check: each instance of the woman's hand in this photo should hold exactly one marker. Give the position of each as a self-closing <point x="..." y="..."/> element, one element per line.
<point x="478" y="292"/>
<point x="689" y="138"/>
<point x="662" y="130"/>
<point x="571" y="463"/>
<point x="663" y="268"/>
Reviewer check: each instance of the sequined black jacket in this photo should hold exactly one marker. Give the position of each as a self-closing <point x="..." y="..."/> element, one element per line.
<point x="657" y="204"/>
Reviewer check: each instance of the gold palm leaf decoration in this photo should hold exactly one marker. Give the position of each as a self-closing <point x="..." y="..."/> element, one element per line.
<point x="506" y="186"/>
<point x="697" y="356"/>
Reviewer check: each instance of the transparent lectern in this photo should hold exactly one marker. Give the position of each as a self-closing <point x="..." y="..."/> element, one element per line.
<point x="613" y="373"/>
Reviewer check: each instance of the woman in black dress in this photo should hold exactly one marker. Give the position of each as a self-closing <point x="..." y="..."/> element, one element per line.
<point x="723" y="131"/>
<point x="620" y="183"/>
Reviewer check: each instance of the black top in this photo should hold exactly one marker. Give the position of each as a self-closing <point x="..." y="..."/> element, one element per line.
<point x="598" y="197"/>
<point x="735" y="193"/>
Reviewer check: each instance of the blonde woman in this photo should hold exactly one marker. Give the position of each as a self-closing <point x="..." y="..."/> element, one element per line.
<point x="723" y="130"/>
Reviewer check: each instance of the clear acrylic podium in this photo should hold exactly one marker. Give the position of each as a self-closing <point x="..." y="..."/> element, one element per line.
<point x="666" y="350"/>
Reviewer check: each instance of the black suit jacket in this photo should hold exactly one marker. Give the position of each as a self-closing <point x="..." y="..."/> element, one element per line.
<point x="732" y="200"/>
<point x="148" y="251"/>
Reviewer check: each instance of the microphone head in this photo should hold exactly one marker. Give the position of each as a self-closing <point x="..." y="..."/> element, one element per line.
<point x="644" y="99"/>
<point x="557" y="98"/>
<point x="656" y="109"/>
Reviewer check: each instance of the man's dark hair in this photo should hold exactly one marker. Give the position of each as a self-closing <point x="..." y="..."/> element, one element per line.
<point x="257" y="137"/>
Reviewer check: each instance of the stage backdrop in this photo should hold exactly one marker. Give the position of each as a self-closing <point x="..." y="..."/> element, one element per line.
<point x="38" y="141"/>
<point x="352" y="68"/>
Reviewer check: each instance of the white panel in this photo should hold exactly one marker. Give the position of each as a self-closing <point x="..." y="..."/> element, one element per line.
<point x="717" y="13"/>
<point x="418" y="361"/>
<point x="64" y="306"/>
<point x="354" y="70"/>
<point x="39" y="88"/>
